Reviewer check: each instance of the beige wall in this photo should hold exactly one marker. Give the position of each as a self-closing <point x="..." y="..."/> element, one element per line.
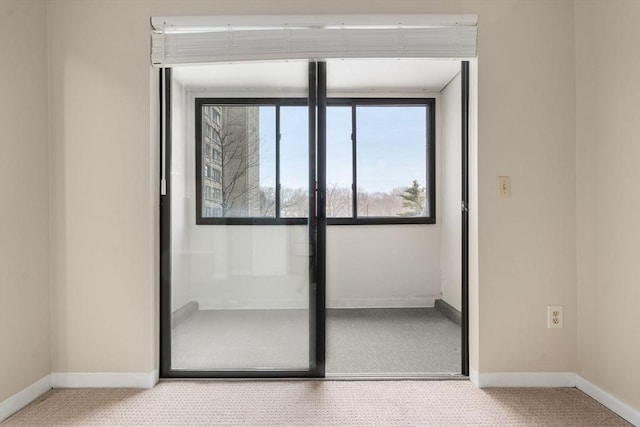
<point x="608" y="163"/>
<point x="104" y="183"/>
<point x="24" y="196"/>
<point x="526" y="110"/>
<point x="104" y="214"/>
<point x="104" y="187"/>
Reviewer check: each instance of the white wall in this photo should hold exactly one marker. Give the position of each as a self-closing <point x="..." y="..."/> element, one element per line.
<point x="180" y="201"/>
<point x="383" y="266"/>
<point x="250" y="266"/>
<point x="386" y="265"/>
<point x="608" y="161"/>
<point x="451" y="190"/>
<point x="24" y="193"/>
<point x="224" y="267"/>
<point x="267" y="266"/>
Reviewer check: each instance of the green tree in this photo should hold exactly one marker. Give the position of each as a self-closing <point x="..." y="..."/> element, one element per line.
<point x="414" y="198"/>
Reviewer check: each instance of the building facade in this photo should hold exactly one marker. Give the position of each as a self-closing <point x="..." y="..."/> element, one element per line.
<point x="230" y="161"/>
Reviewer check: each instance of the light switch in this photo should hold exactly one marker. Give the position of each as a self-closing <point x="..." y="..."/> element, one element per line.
<point x="504" y="187"/>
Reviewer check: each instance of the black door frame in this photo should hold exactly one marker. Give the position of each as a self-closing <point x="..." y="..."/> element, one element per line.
<point x="165" y="221"/>
<point x="465" y="216"/>
<point x="317" y="226"/>
<point x="317" y="233"/>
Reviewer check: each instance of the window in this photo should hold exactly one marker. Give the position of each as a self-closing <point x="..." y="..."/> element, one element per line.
<point x="380" y="161"/>
<point x="217" y="155"/>
<point x="213" y="211"/>
<point x="339" y="199"/>
<point x="253" y="157"/>
<point x="217" y="175"/>
<point x="253" y="153"/>
<point x="216" y="195"/>
<point x="293" y="151"/>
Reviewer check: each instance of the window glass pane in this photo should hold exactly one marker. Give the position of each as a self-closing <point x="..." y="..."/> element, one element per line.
<point x="294" y="162"/>
<point x="238" y="161"/>
<point x="391" y="161"/>
<point x="339" y="162"/>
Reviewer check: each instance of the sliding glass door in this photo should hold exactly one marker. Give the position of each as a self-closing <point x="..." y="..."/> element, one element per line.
<point x="239" y="223"/>
<point x="249" y="150"/>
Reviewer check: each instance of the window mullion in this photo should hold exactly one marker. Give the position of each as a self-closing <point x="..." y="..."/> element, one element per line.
<point x="354" y="150"/>
<point x="277" y="207"/>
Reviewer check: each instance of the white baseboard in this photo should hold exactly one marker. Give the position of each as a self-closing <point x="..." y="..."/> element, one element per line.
<point x="22" y="398"/>
<point x="556" y="379"/>
<point x="474" y="377"/>
<point x="265" y="304"/>
<point x="523" y="379"/>
<point x="380" y="302"/>
<point x="104" y="379"/>
<point x="626" y="411"/>
<point x="147" y="380"/>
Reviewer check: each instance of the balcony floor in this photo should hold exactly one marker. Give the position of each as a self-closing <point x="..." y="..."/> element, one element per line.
<point x="388" y="341"/>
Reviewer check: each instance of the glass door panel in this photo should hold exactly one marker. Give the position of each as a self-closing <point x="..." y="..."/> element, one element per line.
<point x="240" y="232"/>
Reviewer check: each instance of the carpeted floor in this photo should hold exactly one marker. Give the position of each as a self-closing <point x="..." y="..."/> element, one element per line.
<point x="315" y="403"/>
<point x="400" y="341"/>
<point x="242" y="339"/>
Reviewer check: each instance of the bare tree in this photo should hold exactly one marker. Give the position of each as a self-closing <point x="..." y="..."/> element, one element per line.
<point x="236" y="162"/>
<point x="267" y="202"/>
<point x="338" y="201"/>
<point x="294" y="202"/>
<point x="240" y="155"/>
<point x="235" y="166"/>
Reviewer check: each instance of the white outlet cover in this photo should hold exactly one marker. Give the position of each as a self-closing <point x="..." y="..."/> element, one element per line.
<point x="555" y="317"/>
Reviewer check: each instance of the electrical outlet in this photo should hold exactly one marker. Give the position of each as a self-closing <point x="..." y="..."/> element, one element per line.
<point x="554" y="316"/>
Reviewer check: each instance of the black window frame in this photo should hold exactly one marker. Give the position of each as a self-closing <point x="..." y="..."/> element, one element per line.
<point x="430" y="160"/>
<point x="259" y="102"/>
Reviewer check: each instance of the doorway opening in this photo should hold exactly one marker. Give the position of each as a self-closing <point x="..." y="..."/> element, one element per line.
<point x="312" y="222"/>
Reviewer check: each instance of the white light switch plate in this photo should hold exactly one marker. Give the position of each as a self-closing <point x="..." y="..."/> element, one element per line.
<point x="504" y="187"/>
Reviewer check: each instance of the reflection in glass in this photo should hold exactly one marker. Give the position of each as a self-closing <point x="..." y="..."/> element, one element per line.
<point x="239" y="292"/>
<point x="241" y="302"/>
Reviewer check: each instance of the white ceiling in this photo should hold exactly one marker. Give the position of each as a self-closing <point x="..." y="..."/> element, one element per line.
<point x="352" y="76"/>
<point x="390" y="75"/>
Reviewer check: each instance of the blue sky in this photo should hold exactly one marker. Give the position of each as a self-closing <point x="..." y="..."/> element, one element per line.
<point x="391" y="146"/>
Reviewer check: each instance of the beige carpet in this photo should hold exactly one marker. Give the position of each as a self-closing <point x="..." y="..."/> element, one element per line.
<point x="315" y="403"/>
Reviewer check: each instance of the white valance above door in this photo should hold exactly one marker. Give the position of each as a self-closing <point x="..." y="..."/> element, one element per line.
<point x="211" y="39"/>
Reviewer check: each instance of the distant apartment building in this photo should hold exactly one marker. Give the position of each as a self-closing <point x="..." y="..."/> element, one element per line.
<point x="230" y="161"/>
